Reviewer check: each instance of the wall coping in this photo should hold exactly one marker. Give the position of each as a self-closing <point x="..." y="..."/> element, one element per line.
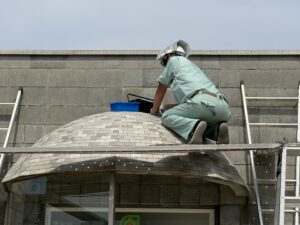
<point x="151" y="52"/>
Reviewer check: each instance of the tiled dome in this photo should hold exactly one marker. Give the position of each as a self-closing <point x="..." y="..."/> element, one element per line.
<point x="111" y="129"/>
<point x="121" y="129"/>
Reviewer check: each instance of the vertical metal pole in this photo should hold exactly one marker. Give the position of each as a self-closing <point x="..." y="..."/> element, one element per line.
<point x="277" y="200"/>
<point x="256" y="188"/>
<point x="111" y="200"/>
<point x="282" y="187"/>
<point x="298" y="159"/>
<point x="298" y="127"/>
<point x="11" y="122"/>
<point x="257" y="195"/>
<point x="246" y="113"/>
<point x="297" y="195"/>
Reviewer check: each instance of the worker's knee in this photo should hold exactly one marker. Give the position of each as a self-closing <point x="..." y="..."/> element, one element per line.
<point x="165" y="118"/>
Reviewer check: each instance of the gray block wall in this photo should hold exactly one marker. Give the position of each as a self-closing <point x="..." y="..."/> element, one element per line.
<point x="62" y="86"/>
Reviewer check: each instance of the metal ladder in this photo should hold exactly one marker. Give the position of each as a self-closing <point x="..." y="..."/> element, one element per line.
<point x="282" y="200"/>
<point x="11" y="122"/>
<point x="280" y="206"/>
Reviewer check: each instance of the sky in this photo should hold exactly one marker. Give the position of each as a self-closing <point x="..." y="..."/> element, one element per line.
<point x="149" y="24"/>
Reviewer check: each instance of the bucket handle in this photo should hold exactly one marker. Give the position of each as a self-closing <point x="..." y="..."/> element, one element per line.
<point x="129" y="94"/>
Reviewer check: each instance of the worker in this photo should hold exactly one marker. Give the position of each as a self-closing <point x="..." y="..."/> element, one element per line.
<point x="202" y="111"/>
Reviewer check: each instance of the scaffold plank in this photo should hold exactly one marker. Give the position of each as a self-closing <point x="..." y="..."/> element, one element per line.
<point x="143" y="149"/>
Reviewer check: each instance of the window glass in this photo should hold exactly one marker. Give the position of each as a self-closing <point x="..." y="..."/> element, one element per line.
<point x="74" y="216"/>
<point x="31" y="198"/>
<point x="160" y="218"/>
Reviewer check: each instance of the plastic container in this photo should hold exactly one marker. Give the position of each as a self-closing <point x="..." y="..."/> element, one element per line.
<point x="124" y="106"/>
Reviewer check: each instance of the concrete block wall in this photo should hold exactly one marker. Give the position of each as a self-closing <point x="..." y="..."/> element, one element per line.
<point x="62" y="86"/>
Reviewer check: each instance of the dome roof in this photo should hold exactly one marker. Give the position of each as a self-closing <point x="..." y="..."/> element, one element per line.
<point x="122" y="129"/>
<point x="111" y="129"/>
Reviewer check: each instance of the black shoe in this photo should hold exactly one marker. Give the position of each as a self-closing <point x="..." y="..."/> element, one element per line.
<point x="223" y="135"/>
<point x="197" y="137"/>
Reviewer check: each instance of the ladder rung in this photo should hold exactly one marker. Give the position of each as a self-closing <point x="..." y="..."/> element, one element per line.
<point x="3" y="129"/>
<point x="7" y="103"/>
<point x="270" y="211"/>
<point x="293" y="148"/>
<point x="272" y="98"/>
<point x="273" y="181"/>
<point x="291" y="181"/>
<point x="273" y="124"/>
<point x="290" y="210"/>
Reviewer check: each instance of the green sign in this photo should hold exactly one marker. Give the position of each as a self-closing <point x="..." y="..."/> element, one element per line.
<point x="130" y="220"/>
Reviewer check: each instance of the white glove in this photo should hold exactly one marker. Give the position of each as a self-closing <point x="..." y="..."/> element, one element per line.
<point x="162" y="109"/>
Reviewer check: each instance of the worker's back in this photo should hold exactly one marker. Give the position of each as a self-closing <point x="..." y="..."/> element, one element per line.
<point x="186" y="78"/>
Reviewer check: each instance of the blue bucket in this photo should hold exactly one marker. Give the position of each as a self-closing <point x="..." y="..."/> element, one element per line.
<point x="124" y="106"/>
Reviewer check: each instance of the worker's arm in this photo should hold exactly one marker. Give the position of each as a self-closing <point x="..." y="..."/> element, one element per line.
<point x="159" y="95"/>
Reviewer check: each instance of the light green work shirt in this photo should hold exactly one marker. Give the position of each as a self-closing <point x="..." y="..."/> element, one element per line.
<point x="184" y="78"/>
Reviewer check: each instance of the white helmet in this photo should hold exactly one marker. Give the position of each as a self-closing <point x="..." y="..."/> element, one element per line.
<point x="179" y="47"/>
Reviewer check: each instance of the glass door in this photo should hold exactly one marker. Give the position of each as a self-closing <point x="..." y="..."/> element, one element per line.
<point x="164" y="217"/>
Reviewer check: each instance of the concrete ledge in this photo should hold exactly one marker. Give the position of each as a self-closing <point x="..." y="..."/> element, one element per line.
<point x="148" y="52"/>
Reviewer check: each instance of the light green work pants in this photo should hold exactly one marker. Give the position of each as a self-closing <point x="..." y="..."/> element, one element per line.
<point x="183" y="117"/>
